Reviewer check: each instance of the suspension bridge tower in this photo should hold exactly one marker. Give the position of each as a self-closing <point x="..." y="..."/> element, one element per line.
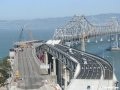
<point x="82" y="48"/>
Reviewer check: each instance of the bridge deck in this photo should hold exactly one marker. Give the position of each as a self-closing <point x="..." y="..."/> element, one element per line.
<point x="29" y="69"/>
<point x="93" y="67"/>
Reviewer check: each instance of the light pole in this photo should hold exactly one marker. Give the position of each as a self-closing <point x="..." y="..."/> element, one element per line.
<point x="112" y="58"/>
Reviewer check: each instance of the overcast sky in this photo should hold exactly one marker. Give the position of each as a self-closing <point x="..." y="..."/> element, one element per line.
<point x="30" y="9"/>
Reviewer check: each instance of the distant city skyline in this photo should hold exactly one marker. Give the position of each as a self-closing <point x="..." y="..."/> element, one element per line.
<point x="31" y="9"/>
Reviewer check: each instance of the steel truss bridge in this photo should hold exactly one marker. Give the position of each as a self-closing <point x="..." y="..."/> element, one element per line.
<point x="79" y="27"/>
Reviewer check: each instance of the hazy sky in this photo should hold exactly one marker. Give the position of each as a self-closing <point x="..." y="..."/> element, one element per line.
<point x="30" y="9"/>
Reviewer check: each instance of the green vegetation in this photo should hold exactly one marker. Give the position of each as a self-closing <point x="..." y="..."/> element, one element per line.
<point x="5" y="68"/>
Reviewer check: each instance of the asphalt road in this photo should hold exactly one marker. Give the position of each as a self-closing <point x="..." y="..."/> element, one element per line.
<point x="29" y="70"/>
<point x="92" y="67"/>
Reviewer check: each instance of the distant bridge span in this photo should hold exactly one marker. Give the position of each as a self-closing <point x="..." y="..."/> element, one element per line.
<point x="79" y="27"/>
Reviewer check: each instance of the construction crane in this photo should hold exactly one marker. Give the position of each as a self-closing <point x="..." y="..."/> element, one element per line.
<point x="30" y="35"/>
<point x="21" y="35"/>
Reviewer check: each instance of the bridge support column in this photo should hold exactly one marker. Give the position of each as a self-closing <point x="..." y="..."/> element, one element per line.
<point x="116" y="40"/>
<point x="82" y="44"/>
<point x="65" y="77"/>
<point x="54" y="65"/>
<point x="46" y="59"/>
<point x="116" y="43"/>
<point x="116" y="29"/>
<point x="60" y="73"/>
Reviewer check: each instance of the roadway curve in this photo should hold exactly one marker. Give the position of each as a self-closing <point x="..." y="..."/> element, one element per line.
<point x="92" y="67"/>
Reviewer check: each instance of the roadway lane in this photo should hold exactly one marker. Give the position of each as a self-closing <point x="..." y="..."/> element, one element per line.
<point x="94" y="67"/>
<point x="89" y="70"/>
<point x="29" y="70"/>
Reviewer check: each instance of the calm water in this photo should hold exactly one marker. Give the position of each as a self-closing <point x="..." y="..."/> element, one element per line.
<point x="8" y="37"/>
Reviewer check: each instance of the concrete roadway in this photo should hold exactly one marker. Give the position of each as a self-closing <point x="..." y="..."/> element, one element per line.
<point x="91" y="67"/>
<point x="29" y="70"/>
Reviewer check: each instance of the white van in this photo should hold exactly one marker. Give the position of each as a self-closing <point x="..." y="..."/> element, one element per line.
<point x="70" y="50"/>
<point x="84" y="61"/>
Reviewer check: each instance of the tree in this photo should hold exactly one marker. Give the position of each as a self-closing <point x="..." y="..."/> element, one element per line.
<point x="5" y="68"/>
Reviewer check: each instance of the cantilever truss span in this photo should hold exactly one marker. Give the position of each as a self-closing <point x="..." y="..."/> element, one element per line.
<point x="80" y="27"/>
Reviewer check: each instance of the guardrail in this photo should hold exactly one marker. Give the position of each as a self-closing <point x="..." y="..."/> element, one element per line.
<point x="99" y="59"/>
<point x="70" y="62"/>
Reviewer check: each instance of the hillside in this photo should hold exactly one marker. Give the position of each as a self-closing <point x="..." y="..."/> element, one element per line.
<point x="47" y="26"/>
<point x="50" y="23"/>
